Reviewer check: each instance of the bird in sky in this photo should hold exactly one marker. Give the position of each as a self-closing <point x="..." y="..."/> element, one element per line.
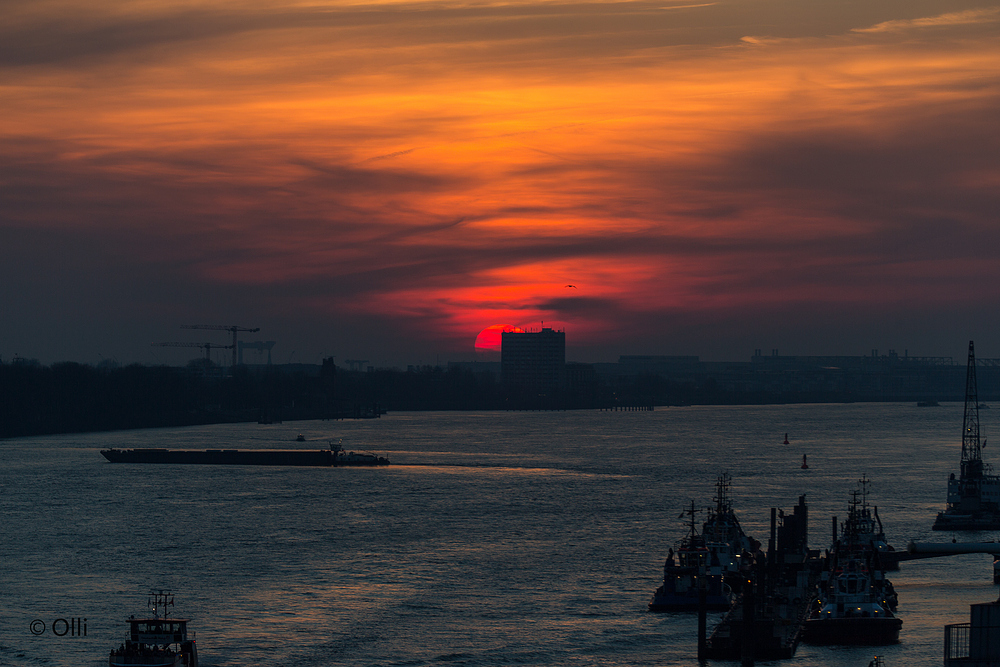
<point x="573" y="286"/>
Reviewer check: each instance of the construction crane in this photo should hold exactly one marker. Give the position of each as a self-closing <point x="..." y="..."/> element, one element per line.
<point x="256" y="345"/>
<point x="208" y="347"/>
<point x="223" y="327"/>
<point x="356" y="364"/>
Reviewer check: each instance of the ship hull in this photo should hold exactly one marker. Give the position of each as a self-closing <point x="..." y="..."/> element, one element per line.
<point x="987" y="521"/>
<point x="147" y="661"/>
<point x="858" y="631"/>
<point x="688" y="601"/>
<point x="319" y="457"/>
<point x="770" y="639"/>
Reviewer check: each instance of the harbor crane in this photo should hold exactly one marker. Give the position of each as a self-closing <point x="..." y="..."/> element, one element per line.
<point x="222" y="327"/>
<point x="208" y="347"/>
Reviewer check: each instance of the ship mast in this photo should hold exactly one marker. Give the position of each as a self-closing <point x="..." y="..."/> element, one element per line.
<point x="690" y="512"/>
<point x="723" y="505"/>
<point x="972" y="451"/>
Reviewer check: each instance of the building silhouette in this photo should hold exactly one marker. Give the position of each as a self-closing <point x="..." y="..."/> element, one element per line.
<point x="533" y="363"/>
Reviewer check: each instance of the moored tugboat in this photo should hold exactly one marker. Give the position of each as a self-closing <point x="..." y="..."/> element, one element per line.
<point x="714" y="556"/>
<point x="156" y="641"/>
<point x="853" y="608"/>
<point x="723" y="534"/>
<point x="863" y="529"/>
<point x="694" y="568"/>
<point x="856" y="601"/>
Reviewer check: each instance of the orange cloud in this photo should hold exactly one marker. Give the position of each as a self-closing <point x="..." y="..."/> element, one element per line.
<point x="967" y="17"/>
<point x="456" y="165"/>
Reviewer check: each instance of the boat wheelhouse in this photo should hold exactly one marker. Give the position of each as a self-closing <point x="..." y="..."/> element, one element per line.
<point x="157" y="640"/>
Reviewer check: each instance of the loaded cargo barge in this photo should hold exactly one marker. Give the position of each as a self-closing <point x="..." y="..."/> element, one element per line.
<point x="335" y="456"/>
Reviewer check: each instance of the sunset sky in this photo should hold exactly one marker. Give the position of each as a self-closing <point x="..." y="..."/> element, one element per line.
<point x="384" y="180"/>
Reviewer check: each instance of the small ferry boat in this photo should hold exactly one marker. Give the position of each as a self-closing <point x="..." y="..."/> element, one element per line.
<point x="973" y="497"/>
<point x="157" y="640"/>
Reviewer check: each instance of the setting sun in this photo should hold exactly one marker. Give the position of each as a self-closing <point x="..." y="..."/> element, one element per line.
<point x="488" y="340"/>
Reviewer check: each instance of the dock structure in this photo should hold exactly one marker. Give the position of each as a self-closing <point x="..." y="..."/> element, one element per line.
<point x="767" y="619"/>
<point x="976" y="643"/>
<point x="921" y="550"/>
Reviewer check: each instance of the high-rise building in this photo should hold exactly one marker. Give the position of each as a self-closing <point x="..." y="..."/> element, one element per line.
<point x="533" y="362"/>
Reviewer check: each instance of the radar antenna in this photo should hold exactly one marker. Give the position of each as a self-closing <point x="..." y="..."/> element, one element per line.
<point x="160" y="599"/>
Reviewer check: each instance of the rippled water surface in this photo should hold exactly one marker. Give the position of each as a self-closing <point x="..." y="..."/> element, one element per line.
<point x="510" y="538"/>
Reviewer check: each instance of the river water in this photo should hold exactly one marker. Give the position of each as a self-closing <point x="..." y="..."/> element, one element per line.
<point x="495" y="538"/>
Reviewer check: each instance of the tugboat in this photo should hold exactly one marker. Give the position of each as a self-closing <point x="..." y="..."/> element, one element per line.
<point x="695" y="568"/>
<point x="853" y="609"/>
<point x="863" y="529"/>
<point x="723" y="534"/>
<point x="156" y="641"/>
<point x="973" y="498"/>
<point x="714" y="555"/>
<point x="856" y="601"/>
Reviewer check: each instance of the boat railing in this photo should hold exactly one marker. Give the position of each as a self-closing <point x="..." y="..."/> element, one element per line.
<point x="956" y="641"/>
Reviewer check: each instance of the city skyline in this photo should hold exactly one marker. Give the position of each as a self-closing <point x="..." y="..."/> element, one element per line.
<point x="385" y="180"/>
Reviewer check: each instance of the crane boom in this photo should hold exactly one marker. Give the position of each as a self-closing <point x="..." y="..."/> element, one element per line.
<point x="223" y="327"/>
<point x="208" y="347"/>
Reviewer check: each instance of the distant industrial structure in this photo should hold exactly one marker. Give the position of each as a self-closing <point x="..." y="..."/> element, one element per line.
<point x="874" y="377"/>
<point x="230" y="328"/>
<point x="208" y="347"/>
<point x="260" y="346"/>
<point x="237" y="345"/>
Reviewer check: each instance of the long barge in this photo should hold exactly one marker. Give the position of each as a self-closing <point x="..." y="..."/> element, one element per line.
<point x="333" y="457"/>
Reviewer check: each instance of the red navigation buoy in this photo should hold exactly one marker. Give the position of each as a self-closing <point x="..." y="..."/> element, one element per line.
<point x="786" y="438"/>
<point x="804" y="464"/>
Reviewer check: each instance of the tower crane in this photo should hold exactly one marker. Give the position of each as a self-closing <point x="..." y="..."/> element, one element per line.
<point x="208" y="347"/>
<point x="223" y="327"/>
